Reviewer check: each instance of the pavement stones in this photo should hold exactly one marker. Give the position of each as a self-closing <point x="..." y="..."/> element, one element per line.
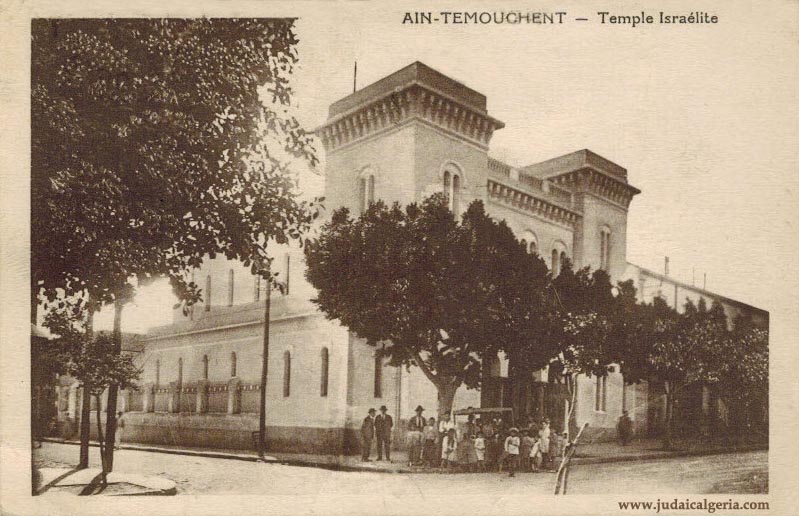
<point x="87" y="481"/>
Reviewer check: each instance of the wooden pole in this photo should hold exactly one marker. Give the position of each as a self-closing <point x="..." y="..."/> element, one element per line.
<point x="264" y="370"/>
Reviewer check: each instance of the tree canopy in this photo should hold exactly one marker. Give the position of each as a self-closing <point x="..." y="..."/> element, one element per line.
<point x="426" y="289"/>
<point x="156" y="143"/>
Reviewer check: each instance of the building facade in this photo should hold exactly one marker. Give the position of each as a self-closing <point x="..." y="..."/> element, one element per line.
<point x="403" y="138"/>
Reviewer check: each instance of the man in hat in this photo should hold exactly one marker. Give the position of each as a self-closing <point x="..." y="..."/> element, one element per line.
<point x="512" y="446"/>
<point x="415" y="437"/>
<point x="367" y="434"/>
<point x="383" y="425"/>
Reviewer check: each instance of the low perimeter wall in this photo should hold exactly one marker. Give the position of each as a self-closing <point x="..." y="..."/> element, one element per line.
<point x="230" y="431"/>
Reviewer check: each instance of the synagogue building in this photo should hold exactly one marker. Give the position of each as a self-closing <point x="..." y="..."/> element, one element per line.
<point x="402" y="138"/>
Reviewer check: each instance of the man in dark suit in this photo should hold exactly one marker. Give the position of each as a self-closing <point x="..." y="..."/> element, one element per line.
<point x="367" y="434"/>
<point x="383" y="425"/>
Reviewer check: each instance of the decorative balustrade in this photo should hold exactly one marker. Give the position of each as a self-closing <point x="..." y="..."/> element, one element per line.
<point x="217" y="398"/>
<point x="231" y="397"/>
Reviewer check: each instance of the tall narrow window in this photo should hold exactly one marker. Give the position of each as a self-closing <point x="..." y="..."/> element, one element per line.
<point x="157" y="373"/>
<point x="555" y="263"/>
<point x="208" y="293"/>
<point x="366" y="188"/>
<point x="601" y="397"/>
<point x="325" y="370"/>
<point x="456" y="194"/>
<point x="598" y="393"/>
<point x="205" y="367"/>
<point x="286" y="374"/>
<point x="257" y="288"/>
<point x="378" y="376"/>
<point x="230" y="287"/>
<point x="233" y="365"/>
<point x="180" y="372"/>
<point x="604" y="249"/>
<point x="452" y="189"/>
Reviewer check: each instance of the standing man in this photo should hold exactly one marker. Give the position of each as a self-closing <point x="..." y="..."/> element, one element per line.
<point x="415" y="437"/>
<point x="383" y="425"/>
<point x="624" y="428"/>
<point x="367" y="434"/>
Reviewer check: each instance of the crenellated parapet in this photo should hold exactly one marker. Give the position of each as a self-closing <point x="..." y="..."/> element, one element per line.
<point x="415" y="93"/>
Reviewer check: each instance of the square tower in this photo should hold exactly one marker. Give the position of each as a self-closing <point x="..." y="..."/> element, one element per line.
<point x="405" y="137"/>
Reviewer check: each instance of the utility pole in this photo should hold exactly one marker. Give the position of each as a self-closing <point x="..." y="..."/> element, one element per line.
<point x="264" y="369"/>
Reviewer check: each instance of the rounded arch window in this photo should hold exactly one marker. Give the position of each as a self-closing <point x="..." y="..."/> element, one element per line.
<point x="604" y="247"/>
<point x="530" y="241"/>
<point x="205" y="367"/>
<point x="286" y="374"/>
<point x="452" y="181"/>
<point x="366" y="188"/>
<point x="325" y="357"/>
<point x="233" y="364"/>
<point x="559" y="256"/>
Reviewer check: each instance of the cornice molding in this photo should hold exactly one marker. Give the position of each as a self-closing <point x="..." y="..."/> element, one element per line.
<point x="415" y="101"/>
<point x="511" y="196"/>
<point x="600" y="184"/>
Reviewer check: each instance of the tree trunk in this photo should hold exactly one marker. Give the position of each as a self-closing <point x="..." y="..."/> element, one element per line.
<point x="85" y="426"/>
<point x="562" y="476"/>
<point x="86" y="402"/>
<point x="101" y="441"/>
<point x="113" y="390"/>
<point x="446" y="396"/>
<point x="668" y="417"/>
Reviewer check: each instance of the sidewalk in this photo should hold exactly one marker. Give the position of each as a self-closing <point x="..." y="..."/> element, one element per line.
<point x="589" y="453"/>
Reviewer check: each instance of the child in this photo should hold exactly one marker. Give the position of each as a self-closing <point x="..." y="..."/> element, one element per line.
<point x="430" y="438"/>
<point x="524" y="451"/>
<point x="480" y="450"/>
<point x="535" y="455"/>
<point x="512" y="444"/>
<point x="449" y="448"/>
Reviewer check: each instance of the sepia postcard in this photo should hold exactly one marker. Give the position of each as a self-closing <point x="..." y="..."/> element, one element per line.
<point x="369" y="257"/>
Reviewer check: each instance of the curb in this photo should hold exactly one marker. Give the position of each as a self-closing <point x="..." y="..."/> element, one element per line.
<point x="353" y="468"/>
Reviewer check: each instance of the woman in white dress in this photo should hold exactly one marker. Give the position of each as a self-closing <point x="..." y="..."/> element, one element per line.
<point x="543" y="443"/>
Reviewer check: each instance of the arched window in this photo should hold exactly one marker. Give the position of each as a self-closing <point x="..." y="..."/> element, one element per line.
<point x="286" y="374"/>
<point x="452" y="183"/>
<point x="456" y="194"/>
<point x="555" y="263"/>
<point x="230" y="287"/>
<point x="366" y="191"/>
<point x="157" y="373"/>
<point x="205" y="367"/>
<point x="208" y="293"/>
<point x="378" y="376"/>
<point x="233" y="365"/>
<point x="604" y="249"/>
<point x="600" y="390"/>
<point x="530" y="241"/>
<point x="257" y="288"/>
<point x="325" y="371"/>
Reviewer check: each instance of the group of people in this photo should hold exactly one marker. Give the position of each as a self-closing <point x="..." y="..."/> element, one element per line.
<point x="481" y="444"/>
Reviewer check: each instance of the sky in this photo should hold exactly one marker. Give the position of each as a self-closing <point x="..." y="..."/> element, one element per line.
<point x="704" y="118"/>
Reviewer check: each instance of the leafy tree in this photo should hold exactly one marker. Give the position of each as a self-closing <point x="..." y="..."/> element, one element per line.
<point x="156" y="143"/>
<point x="425" y="289"/>
<point x="591" y="327"/>
<point x="85" y="356"/>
